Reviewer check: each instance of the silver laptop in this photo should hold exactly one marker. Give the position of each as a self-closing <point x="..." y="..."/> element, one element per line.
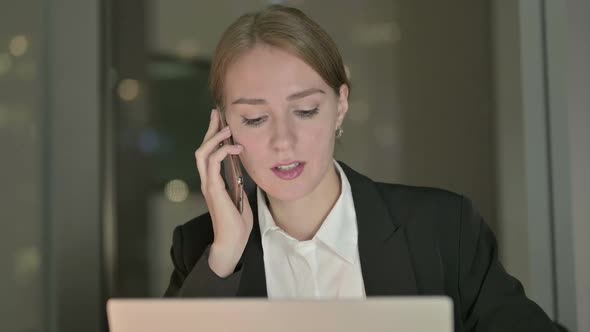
<point x="408" y="314"/>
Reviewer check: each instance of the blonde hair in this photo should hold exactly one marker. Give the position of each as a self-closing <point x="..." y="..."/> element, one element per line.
<point x="279" y="26"/>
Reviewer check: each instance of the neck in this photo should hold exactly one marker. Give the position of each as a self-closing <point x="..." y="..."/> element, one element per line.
<point x="303" y="218"/>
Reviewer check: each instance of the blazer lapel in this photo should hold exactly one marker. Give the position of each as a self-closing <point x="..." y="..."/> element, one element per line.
<point x="253" y="280"/>
<point x="383" y="249"/>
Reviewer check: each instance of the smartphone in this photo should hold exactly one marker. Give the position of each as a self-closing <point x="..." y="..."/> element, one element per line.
<point x="234" y="181"/>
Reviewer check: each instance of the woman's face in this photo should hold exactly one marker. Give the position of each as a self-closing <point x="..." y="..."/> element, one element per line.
<point x="282" y="112"/>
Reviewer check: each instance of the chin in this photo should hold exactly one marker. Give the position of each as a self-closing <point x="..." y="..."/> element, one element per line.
<point x="287" y="195"/>
<point x="288" y="190"/>
<point x="283" y="191"/>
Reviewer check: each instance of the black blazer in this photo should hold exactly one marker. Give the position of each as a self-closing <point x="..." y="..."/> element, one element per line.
<point x="412" y="241"/>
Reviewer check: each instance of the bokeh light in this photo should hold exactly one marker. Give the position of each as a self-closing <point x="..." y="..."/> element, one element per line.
<point x="18" y="45"/>
<point x="176" y="191"/>
<point x="128" y="89"/>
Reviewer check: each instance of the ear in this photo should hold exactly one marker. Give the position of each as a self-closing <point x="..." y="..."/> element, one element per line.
<point x="342" y="105"/>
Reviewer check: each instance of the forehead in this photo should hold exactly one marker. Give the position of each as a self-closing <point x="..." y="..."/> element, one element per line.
<point x="266" y="71"/>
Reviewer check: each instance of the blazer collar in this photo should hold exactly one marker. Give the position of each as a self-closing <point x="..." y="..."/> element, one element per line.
<point x="383" y="249"/>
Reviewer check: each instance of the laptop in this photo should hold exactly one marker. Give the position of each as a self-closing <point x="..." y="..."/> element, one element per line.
<point x="408" y="314"/>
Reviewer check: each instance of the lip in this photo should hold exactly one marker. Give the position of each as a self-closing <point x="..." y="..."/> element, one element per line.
<point x="288" y="163"/>
<point x="290" y="174"/>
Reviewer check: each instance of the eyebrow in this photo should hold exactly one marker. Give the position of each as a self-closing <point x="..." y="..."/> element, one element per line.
<point x="297" y="95"/>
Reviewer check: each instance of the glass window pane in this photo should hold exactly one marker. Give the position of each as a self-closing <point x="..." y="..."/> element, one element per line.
<point x="21" y="234"/>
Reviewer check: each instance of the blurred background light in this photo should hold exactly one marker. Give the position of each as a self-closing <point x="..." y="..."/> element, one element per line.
<point x="149" y="141"/>
<point x="26" y="265"/>
<point x="176" y="191"/>
<point x="128" y="89"/>
<point x="18" y="45"/>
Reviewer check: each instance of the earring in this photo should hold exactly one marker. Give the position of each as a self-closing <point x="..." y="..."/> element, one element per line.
<point x="339" y="132"/>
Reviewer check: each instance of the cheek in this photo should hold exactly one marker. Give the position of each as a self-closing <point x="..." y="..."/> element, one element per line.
<point x="245" y="136"/>
<point x="253" y="149"/>
<point x="318" y="138"/>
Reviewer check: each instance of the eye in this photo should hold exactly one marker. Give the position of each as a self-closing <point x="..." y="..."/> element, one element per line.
<point x="307" y="113"/>
<point x="253" y="122"/>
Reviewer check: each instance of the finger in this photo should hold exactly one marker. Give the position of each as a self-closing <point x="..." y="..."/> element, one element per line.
<point x="211" y="130"/>
<point x="204" y="151"/>
<point x="201" y="168"/>
<point x="213" y="125"/>
<point x="214" y="143"/>
<point x="214" y="164"/>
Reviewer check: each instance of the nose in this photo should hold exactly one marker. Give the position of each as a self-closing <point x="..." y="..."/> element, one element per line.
<point x="283" y="135"/>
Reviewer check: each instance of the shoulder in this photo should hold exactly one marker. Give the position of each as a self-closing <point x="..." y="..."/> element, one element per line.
<point x="431" y="215"/>
<point x="409" y="206"/>
<point x="413" y="203"/>
<point x="436" y="217"/>
<point x="403" y="201"/>
<point x="416" y="195"/>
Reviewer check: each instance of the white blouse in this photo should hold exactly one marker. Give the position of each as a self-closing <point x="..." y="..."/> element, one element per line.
<point x="327" y="266"/>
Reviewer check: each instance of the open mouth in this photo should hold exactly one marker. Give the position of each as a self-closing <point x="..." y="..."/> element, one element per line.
<point x="289" y="171"/>
<point x="288" y="167"/>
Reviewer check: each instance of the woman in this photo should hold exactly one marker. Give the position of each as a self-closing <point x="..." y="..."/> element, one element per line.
<point x="315" y="227"/>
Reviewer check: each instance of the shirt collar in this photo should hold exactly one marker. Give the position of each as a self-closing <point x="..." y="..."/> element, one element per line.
<point x="265" y="219"/>
<point x="338" y="231"/>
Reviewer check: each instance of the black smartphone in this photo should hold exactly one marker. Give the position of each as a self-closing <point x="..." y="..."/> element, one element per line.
<point x="234" y="181"/>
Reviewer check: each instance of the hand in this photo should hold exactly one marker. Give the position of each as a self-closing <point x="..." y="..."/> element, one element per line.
<point x="231" y="229"/>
